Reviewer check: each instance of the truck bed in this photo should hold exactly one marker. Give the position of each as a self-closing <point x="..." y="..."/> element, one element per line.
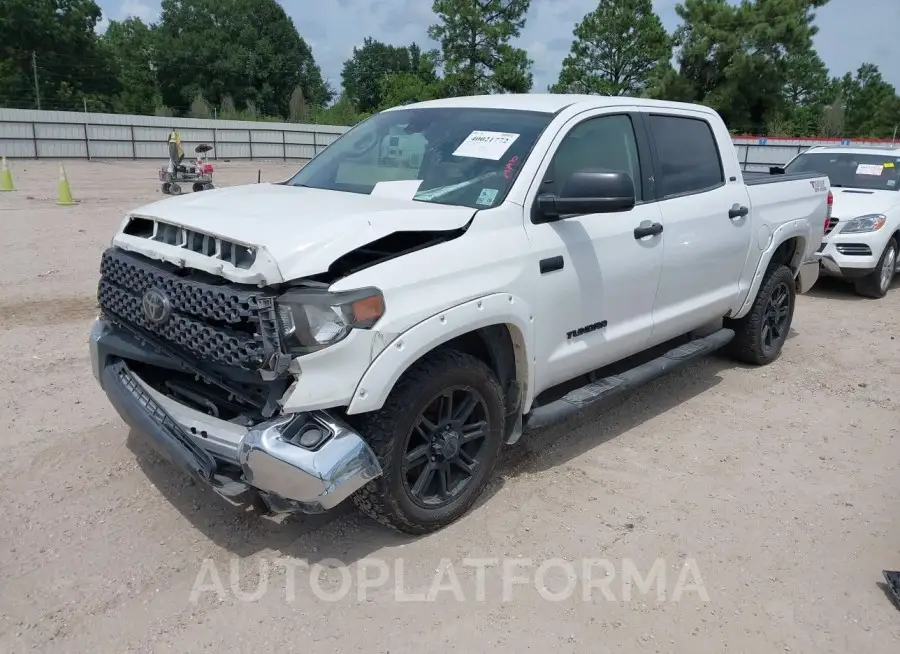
<point x="756" y="178"/>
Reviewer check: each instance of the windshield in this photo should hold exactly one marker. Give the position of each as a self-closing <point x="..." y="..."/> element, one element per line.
<point x="878" y="172"/>
<point x="460" y="156"/>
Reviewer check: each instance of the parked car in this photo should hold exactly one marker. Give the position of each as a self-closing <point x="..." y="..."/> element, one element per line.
<point x="862" y="242"/>
<point x="382" y="330"/>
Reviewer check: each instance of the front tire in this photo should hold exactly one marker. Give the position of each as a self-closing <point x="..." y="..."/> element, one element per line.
<point x="437" y="439"/>
<point x="876" y="284"/>
<point x="760" y="335"/>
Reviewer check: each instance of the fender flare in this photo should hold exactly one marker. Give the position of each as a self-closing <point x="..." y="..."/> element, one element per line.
<point x="793" y="229"/>
<point x="500" y="308"/>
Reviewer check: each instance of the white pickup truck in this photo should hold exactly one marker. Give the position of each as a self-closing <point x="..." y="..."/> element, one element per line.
<point x="862" y="242"/>
<point x="383" y="323"/>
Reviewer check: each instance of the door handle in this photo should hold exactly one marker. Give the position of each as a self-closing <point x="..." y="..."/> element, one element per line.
<point x="737" y="211"/>
<point x="649" y="230"/>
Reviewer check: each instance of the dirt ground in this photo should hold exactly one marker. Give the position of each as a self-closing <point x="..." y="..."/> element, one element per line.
<point x="778" y="488"/>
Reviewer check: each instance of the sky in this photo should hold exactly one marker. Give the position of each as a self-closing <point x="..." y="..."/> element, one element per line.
<point x="850" y="31"/>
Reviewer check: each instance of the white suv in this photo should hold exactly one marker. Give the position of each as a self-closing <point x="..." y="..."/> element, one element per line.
<point x="863" y="239"/>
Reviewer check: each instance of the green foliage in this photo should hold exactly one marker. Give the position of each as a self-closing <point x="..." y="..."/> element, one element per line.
<point x="340" y="113"/>
<point x="73" y="64"/>
<point x="738" y="58"/>
<point x="404" y="88"/>
<point x="299" y="109"/>
<point x="752" y="61"/>
<point x="871" y="105"/>
<point x="364" y="71"/>
<point x="617" y="50"/>
<point x="248" y="49"/>
<point x="132" y="44"/>
<point x="477" y="56"/>
<point x="200" y="107"/>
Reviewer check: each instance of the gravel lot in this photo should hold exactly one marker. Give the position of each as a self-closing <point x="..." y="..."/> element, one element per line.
<point x="779" y="486"/>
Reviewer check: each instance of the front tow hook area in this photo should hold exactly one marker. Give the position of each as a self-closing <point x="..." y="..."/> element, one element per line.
<point x="311" y="459"/>
<point x="303" y="462"/>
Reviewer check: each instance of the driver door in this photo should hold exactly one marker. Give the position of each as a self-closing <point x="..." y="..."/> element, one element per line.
<point x="597" y="279"/>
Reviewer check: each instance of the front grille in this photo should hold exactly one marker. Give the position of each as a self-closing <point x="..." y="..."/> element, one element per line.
<point x="854" y="249"/>
<point x="215" y="323"/>
<point x="238" y="255"/>
<point x="832" y="223"/>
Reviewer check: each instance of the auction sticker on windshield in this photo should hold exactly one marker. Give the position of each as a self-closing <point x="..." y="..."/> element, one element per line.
<point x="485" y="145"/>
<point x="870" y="169"/>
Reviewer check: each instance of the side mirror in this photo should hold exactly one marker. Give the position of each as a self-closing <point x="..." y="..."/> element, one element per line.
<point x="589" y="191"/>
<point x="776" y="170"/>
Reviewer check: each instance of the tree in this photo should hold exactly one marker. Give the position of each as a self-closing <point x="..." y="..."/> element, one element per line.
<point x="131" y="43"/>
<point x="871" y="105"/>
<point x="200" y="108"/>
<point x="617" y="49"/>
<point x="299" y="110"/>
<point x="476" y="55"/>
<point x="736" y="57"/>
<point x="405" y="88"/>
<point x="363" y="72"/>
<point x="831" y="123"/>
<point x="806" y="80"/>
<point x="248" y="49"/>
<point x="806" y="93"/>
<point x="58" y="36"/>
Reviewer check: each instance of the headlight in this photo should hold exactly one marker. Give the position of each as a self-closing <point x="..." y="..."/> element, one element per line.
<point x="311" y="320"/>
<point x="861" y="224"/>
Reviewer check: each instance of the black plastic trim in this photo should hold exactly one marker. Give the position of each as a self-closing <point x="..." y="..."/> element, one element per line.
<point x="147" y="418"/>
<point x="552" y="264"/>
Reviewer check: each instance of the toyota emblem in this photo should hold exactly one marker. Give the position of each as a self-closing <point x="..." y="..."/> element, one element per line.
<point x="157" y="306"/>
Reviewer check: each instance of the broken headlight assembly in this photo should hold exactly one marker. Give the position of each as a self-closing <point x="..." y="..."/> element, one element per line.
<point x="311" y="320"/>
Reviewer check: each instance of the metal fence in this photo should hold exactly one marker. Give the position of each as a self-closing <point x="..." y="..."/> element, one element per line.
<point x="26" y="133"/>
<point x="72" y="135"/>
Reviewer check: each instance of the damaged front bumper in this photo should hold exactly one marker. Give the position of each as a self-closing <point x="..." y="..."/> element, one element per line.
<point x="305" y="462"/>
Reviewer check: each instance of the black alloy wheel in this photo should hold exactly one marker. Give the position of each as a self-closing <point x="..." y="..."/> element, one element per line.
<point x="777" y="317"/>
<point x="444" y="447"/>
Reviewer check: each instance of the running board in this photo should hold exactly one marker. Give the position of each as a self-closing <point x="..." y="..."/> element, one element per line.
<point x="607" y="387"/>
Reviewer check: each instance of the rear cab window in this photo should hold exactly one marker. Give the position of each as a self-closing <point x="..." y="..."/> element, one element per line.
<point x="688" y="156"/>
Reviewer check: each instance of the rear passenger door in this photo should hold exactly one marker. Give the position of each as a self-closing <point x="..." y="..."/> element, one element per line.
<point x="705" y="245"/>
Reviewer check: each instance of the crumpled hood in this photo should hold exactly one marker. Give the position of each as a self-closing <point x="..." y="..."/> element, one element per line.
<point x="850" y="203"/>
<point x="302" y="229"/>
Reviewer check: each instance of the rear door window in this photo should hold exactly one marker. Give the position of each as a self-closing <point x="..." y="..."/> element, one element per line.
<point x="689" y="159"/>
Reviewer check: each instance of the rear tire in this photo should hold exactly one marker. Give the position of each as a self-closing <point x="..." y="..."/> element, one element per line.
<point x="436" y="458"/>
<point x="165" y="188"/>
<point x="197" y="187"/>
<point x="174" y="189"/>
<point x="876" y="284"/>
<point x="760" y="335"/>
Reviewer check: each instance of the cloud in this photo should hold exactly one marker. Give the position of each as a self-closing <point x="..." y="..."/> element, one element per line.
<point x="147" y="12"/>
<point x="850" y="32"/>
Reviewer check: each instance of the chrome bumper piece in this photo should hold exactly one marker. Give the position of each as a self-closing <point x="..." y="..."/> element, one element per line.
<point x="332" y="463"/>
